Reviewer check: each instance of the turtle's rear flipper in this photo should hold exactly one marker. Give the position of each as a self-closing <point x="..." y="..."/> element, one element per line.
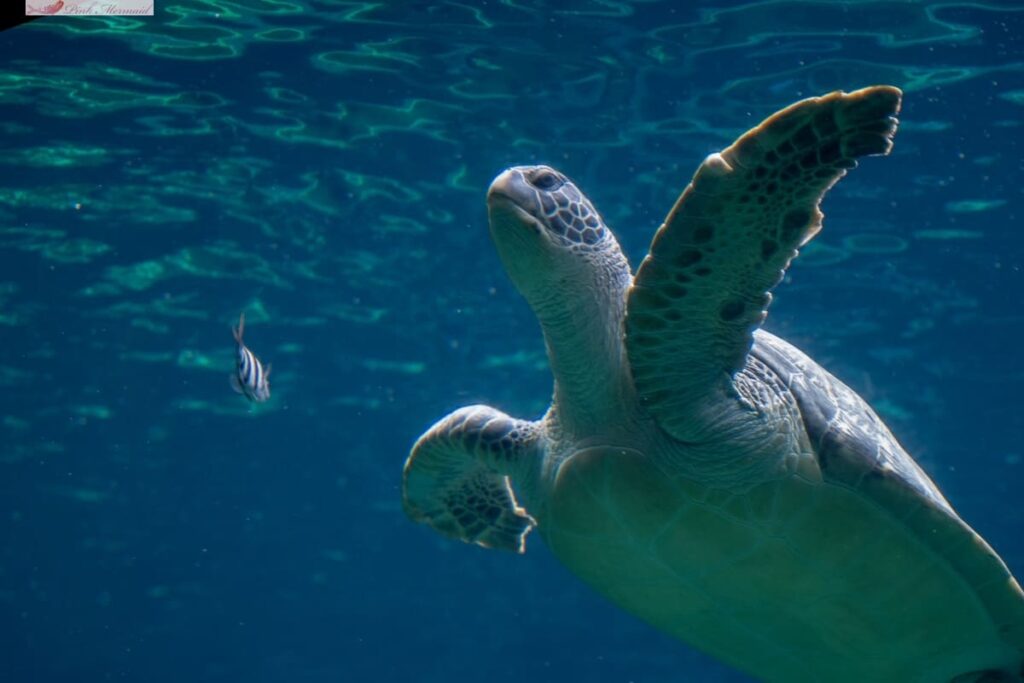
<point x="457" y="478"/>
<point x="991" y="676"/>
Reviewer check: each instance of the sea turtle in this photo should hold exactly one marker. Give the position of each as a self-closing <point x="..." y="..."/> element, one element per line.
<point x="700" y="472"/>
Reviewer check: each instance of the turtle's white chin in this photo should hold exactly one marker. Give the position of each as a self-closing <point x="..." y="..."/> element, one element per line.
<point x="514" y="227"/>
<point x="506" y="214"/>
<point x="524" y="245"/>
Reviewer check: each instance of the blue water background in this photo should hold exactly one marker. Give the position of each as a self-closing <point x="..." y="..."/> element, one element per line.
<point x="323" y="166"/>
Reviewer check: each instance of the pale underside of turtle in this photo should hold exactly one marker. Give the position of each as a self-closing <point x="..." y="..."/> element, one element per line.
<point x="702" y="473"/>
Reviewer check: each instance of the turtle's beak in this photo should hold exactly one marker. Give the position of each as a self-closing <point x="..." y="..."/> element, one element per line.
<point x="511" y="204"/>
<point x="510" y="184"/>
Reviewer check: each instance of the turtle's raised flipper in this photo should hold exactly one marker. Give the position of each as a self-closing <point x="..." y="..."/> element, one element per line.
<point x="457" y="478"/>
<point x="704" y="287"/>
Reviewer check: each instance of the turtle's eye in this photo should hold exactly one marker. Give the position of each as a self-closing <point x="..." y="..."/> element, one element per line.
<point x="546" y="180"/>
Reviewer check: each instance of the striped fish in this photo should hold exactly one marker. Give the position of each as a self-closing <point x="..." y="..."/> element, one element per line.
<point x="250" y="378"/>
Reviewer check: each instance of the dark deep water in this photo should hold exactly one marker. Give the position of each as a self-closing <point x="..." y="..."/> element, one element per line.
<point x="323" y="166"/>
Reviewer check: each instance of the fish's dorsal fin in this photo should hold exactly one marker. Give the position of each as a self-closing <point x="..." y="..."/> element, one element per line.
<point x="235" y="384"/>
<point x="240" y="329"/>
<point x="267" y="369"/>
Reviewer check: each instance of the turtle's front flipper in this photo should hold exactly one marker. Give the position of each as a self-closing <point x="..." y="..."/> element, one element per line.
<point x="457" y="477"/>
<point x="704" y="288"/>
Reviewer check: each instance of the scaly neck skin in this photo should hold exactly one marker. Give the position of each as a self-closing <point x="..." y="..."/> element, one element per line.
<point x="583" y="333"/>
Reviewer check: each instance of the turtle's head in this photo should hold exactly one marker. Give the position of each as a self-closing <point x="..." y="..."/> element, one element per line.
<point x="571" y="271"/>
<point x="548" y="233"/>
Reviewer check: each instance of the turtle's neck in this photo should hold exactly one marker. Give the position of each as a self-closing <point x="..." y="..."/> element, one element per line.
<point x="583" y="327"/>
